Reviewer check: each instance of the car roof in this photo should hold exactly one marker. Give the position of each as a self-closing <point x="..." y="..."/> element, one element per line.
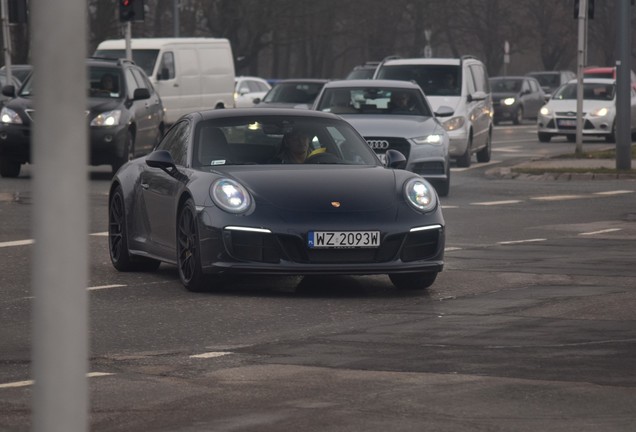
<point x="423" y="61"/>
<point x="303" y="80"/>
<point x="371" y="83"/>
<point x="258" y="112"/>
<point x="514" y="77"/>
<point x="594" y="81"/>
<point x="156" y="43"/>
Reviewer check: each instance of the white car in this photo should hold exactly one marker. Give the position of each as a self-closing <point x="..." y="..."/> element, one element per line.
<point x="247" y="88"/>
<point x="558" y="116"/>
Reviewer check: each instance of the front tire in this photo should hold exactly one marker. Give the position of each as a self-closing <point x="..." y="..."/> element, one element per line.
<point x="544" y="137"/>
<point x="188" y="252"/>
<point x="9" y="168"/>
<point x="129" y="153"/>
<point x="413" y="281"/>
<point x="464" y="160"/>
<point x="483" y="155"/>
<point x="518" y="119"/>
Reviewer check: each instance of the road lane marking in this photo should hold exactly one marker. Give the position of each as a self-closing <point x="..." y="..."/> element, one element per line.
<point x="451" y="249"/>
<point x="616" y="192"/>
<point x="27" y="383"/>
<point x="212" y="354"/>
<point x="101" y="287"/>
<point x="522" y="241"/>
<point x="494" y="203"/>
<point x="17" y="243"/>
<point x="609" y="230"/>
<point x="558" y="197"/>
<point x="100" y="234"/>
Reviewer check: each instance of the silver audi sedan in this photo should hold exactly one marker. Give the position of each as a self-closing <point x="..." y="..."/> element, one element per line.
<point x="394" y="115"/>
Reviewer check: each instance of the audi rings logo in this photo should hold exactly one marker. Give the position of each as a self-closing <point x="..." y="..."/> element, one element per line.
<point x="378" y="144"/>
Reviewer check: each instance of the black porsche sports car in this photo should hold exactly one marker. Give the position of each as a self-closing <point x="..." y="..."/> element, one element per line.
<point x="216" y="197"/>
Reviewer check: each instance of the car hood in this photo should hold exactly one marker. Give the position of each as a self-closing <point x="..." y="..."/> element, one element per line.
<point x="449" y="101"/>
<point x="569" y="105"/>
<point x="313" y="188"/>
<point x="281" y="105"/>
<point x="103" y="104"/>
<point x="503" y="95"/>
<point x="393" y="125"/>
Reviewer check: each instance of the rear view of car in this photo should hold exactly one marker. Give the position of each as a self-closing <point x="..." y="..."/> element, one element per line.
<point x="292" y="93"/>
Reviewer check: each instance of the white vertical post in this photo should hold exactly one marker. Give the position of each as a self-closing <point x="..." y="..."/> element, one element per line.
<point x="60" y="216"/>
<point x="128" y="42"/>
<point x="580" y="57"/>
<point x="6" y="38"/>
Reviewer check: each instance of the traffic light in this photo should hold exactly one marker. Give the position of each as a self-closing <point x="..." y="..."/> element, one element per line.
<point x="131" y="10"/>
<point x="590" y="9"/>
<point x="17" y="11"/>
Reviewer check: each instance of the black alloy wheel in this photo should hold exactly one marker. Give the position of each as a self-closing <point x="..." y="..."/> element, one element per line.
<point x="188" y="254"/>
<point x="413" y="281"/>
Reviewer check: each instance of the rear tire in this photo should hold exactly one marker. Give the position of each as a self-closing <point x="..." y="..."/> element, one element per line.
<point x="9" y="168"/>
<point x="413" y="281"/>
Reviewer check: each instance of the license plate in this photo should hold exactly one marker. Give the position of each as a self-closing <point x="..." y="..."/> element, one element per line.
<point x="343" y="239"/>
<point x="566" y="123"/>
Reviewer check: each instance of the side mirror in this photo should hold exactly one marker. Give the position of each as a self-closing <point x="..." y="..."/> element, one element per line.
<point x="477" y="96"/>
<point x="161" y="159"/>
<point x="141" y="94"/>
<point x="9" y="90"/>
<point x="395" y="159"/>
<point x="444" y="111"/>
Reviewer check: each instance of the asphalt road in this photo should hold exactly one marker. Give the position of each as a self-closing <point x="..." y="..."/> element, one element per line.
<point x="530" y="326"/>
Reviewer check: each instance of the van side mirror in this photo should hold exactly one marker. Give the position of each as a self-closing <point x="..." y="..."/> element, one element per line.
<point x="9" y="90"/>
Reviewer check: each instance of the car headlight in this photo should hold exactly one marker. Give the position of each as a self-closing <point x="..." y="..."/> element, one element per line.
<point x="420" y="195"/>
<point x="509" y="101"/>
<point x="230" y="196"/>
<point x="9" y="116"/>
<point x="454" y="123"/>
<point x="545" y="111"/>
<point x="600" y="112"/>
<point x="429" y="139"/>
<point x="108" y="118"/>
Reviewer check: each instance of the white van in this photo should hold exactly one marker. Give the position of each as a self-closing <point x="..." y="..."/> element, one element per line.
<point x="190" y="74"/>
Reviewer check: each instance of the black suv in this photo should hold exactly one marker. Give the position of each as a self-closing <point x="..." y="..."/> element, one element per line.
<point x="125" y="117"/>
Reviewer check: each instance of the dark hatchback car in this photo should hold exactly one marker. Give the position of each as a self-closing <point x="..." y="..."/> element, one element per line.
<point x="125" y="116"/>
<point x="515" y="98"/>
<point x="292" y="93"/>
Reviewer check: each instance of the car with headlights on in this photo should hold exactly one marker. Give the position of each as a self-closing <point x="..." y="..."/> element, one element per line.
<point x="372" y="107"/>
<point x="515" y="98"/>
<point x="248" y="88"/>
<point x="558" y="117"/>
<point x="214" y="200"/>
<point x="125" y="116"/>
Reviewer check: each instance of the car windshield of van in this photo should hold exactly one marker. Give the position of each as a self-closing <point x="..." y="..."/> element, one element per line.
<point x="144" y="58"/>
<point x="435" y="80"/>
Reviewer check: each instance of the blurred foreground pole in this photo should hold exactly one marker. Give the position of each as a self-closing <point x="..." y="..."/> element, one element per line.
<point x="60" y="216"/>
<point x="623" y="88"/>
<point x="580" y="58"/>
<point x="6" y="38"/>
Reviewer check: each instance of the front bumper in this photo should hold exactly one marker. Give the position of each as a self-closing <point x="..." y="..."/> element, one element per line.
<point x="284" y="250"/>
<point x="566" y="125"/>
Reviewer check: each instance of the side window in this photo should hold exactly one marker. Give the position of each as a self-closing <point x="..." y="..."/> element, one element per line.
<point x="166" y="67"/>
<point x="261" y="87"/>
<point x="141" y="83"/>
<point x="131" y="83"/>
<point x="176" y="142"/>
<point x="480" y="78"/>
<point x="525" y="86"/>
<point x="533" y="86"/>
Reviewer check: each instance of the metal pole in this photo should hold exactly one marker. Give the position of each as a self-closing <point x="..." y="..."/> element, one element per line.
<point x="60" y="216"/>
<point x="579" y="74"/>
<point x="175" y="17"/>
<point x="623" y="88"/>
<point x="128" y="37"/>
<point x="6" y="37"/>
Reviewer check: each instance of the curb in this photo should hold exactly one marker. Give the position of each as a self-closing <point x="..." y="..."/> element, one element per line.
<point x="509" y="173"/>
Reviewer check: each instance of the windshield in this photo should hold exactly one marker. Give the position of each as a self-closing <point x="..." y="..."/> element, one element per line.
<point x="591" y="91"/>
<point x="506" y="85"/>
<point x="266" y="140"/>
<point x="144" y="58"/>
<point x="298" y="93"/>
<point x="103" y="82"/>
<point x="435" y="80"/>
<point x="374" y="100"/>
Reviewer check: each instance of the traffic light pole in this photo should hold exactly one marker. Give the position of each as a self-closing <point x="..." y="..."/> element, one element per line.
<point x="6" y="37"/>
<point x="128" y="37"/>
<point x="580" y="59"/>
<point x="623" y="88"/>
